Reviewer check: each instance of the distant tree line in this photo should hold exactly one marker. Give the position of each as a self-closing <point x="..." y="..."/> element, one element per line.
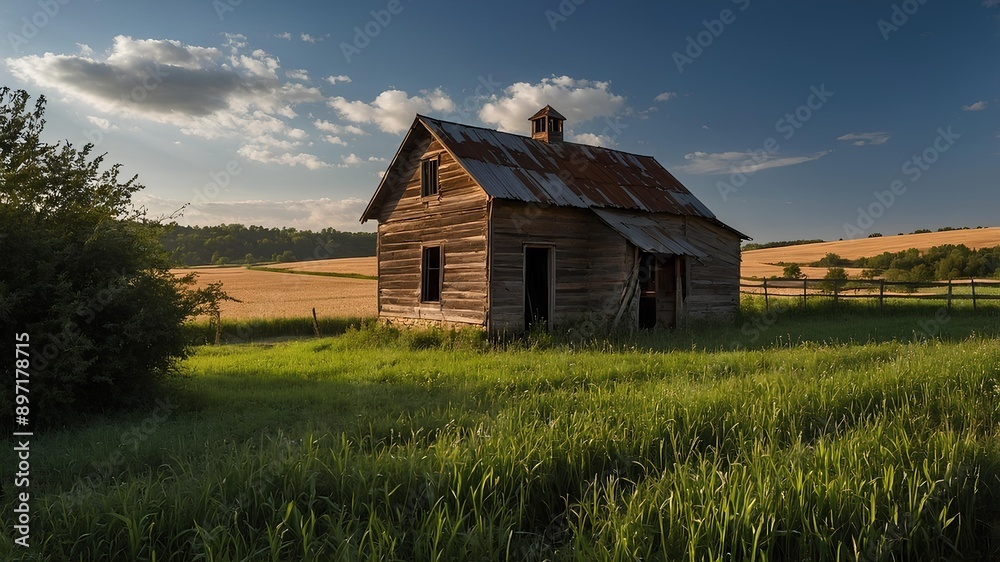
<point x="949" y="261"/>
<point x="756" y="246"/>
<point x="238" y="244"/>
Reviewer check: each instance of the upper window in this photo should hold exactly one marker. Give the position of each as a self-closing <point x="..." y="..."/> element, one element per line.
<point x="539" y="125"/>
<point x="429" y="177"/>
<point x="430" y="282"/>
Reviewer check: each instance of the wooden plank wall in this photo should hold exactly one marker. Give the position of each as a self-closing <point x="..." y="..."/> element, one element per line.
<point x="590" y="262"/>
<point x="715" y="281"/>
<point x="593" y="261"/>
<point x="456" y="220"/>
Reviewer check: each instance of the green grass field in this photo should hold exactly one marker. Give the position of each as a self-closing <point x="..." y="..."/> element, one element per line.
<point x="817" y="434"/>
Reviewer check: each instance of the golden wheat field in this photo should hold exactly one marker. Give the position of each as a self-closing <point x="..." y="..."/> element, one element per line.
<point x="759" y="263"/>
<point x="267" y="294"/>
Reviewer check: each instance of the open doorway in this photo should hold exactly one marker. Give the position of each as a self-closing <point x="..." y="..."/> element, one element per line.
<point x="537" y="286"/>
<point x="661" y="279"/>
<point x="647" y="291"/>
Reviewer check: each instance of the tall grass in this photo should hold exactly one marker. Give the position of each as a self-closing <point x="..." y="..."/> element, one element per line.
<point x="435" y="445"/>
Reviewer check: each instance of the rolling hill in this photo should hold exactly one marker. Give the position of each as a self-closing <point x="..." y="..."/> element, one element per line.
<point x="759" y="263"/>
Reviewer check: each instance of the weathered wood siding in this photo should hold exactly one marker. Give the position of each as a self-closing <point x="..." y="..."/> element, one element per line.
<point x="714" y="285"/>
<point x="456" y="220"/>
<point x="590" y="263"/>
<point x="593" y="264"/>
<point x="713" y="281"/>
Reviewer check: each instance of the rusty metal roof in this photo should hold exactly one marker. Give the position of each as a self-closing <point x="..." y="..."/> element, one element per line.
<point x="509" y="166"/>
<point x="647" y="233"/>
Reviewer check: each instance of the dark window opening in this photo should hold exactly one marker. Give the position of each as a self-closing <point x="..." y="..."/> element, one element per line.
<point x="429" y="177"/>
<point x="430" y="286"/>
<point x="539" y="125"/>
<point x="554" y="125"/>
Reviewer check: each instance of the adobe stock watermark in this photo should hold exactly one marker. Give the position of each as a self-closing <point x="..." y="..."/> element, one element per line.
<point x="753" y="329"/>
<point x="696" y="44"/>
<point x="931" y="329"/>
<point x="32" y="25"/>
<point x="914" y="169"/>
<point x="152" y="78"/>
<point x="787" y="126"/>
<point x="562" y="12"/>
<point x="132" y="438"/>
<point x="223" y="7"/>
<point x="365" y="33"/>
<point x="220" y="180"/>
<point x="900" y="16"/>
<point x="469" y="106"/>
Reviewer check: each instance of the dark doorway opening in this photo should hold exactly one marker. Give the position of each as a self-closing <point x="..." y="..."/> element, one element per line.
<point x="647" y="291"/>
<point x="537" y="286"/>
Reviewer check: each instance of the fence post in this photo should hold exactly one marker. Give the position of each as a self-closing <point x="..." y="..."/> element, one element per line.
<point x="805" y="291"/>
<point x="836" y="291"/>
<point x="881" y="295"/>
<point x="766" y="305"/>
<point x="949" y="294"/>
<point x="315" y="323"/>
<point x="972" y="280"/>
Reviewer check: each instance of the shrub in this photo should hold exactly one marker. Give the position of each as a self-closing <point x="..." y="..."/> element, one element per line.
<point x="835" y="278"/>
<point x="85" y="276"/>
<point x="792" y="271"/>
<point x="831" y="260"/>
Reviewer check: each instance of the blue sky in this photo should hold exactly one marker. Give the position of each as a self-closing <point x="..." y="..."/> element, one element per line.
<point x="789" y="119"/>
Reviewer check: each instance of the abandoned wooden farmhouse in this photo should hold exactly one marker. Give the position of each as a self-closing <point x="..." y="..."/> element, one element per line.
<point x="505" y="231"/>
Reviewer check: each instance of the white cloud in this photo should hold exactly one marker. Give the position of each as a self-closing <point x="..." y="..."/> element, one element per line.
<point x="862" y="139"/>
<point x="265" y="155"/>
<point x="102" y="123"/>
<point x="203" y="91"/>
<point x="334" y="140"/>
<point x="328" y="127"/>
<point x="590" y="138"/>
<point x="393" y="110"/>
<point x="311" y="214"/>
<point x="297" y="74"/>
<point x="339" y="78"/>
<point x="286" y="35"/>
<point x="351" y="160"/>
<point x="578" y="100"/>
<point x="376" y="159"/>
<point x="978" y="106"/>
<point x="665" y="96"/>
<point x="85" y="49"/>
<point x="745" y="162"/>
<point x="312" y="39"/>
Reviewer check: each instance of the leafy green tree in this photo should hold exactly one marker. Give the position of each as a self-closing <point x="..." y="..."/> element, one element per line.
<point x="835" y="278"/>
<point x="831" y="260"/>
<point x="84" y="275"/>
<point x="792" y="271"/>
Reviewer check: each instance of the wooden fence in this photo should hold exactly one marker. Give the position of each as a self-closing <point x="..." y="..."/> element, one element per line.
<point x="976" y="290"/>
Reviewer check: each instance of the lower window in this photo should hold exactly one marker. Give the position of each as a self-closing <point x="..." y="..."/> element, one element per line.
<point x="430" y="282"/>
